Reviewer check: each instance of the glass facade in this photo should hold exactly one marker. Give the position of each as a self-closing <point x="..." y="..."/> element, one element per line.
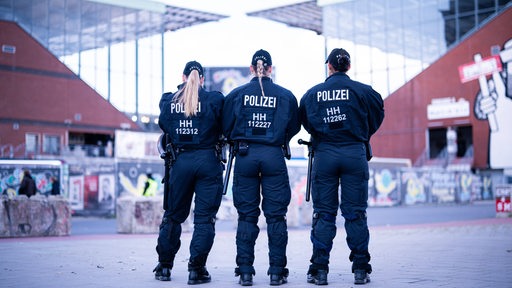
<point x="103" y="42"/>
<point x="391" y="41"/>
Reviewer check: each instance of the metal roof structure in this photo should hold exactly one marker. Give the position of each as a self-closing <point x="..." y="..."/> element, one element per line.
<point x="397" y="22"/>
<point x="90" y="24"/>
<point x="305" y="15"/>
<point x="178" y="18"/>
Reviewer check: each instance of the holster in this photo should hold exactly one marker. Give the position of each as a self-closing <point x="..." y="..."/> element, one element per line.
<point x="287" y="151"/>
<point x="369" y="153"/>
<point x="221" y="151"/>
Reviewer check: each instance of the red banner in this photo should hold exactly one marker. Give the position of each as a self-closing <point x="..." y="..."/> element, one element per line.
<point x="487" y="66"/>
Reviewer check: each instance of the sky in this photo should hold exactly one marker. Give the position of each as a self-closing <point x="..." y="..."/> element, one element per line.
<point x="298" y="55"/>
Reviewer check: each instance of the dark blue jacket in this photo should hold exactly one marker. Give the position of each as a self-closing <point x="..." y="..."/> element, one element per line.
<point x="341" y="110"/>
<point x="271" y="119"/>
<point x="196" y="132"/>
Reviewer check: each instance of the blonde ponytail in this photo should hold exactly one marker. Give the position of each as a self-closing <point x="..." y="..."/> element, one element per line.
<point x="260" y="72"/>
<point x="189" y="95"/>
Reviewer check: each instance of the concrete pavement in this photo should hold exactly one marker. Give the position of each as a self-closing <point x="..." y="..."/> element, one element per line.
<point x="474" y="253"/>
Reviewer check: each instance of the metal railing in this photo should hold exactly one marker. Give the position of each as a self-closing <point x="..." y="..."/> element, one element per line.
<point x="10" y="151"/>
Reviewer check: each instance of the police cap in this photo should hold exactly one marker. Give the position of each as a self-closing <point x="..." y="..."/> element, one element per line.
<point x="261" y="55"/>
<point x="193" y="65"/>
<point x="339" y="59"/>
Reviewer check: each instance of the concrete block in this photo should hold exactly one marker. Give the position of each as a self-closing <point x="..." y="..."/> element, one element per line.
<point x="35" y="216"/>
<point x="142" y="215"/>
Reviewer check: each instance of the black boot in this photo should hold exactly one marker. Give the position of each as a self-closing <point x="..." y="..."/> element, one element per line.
<point x="361" y="277"/>
<point x="245" y="279"/>
<point x="318" y="277"/>
<point x="361" y="268"/>
<point x="277" y="279"/>
<point x="162" y="272"/>
<point x="198" y="276"/>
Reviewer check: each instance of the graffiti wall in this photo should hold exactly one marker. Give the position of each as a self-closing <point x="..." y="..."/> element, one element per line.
<point x="384" y="182"/>
<point x="132" y="177"/>
<point x="394" y="183"/>
<point x="93" y="187"/>
<point x="419" y="186"/>
<point x="11" y="174"/>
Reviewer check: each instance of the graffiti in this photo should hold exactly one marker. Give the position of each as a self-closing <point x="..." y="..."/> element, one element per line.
<point x="385" y="184"/>
<point x="10" y="179"/>
<point x="442" y="186"/>
<point x="414" y="186"/>
<point x="226" y="79"/>
<point x="465" y="183"/>
<point x="493" y="103"/>
<point x="132" y="177"/>
<point x="487" y="188"/>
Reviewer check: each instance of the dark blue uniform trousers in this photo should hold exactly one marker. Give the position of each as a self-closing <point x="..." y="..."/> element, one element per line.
<point x="334" y="164"/>
<point x="196" y="171"/>
<point x="262" y="169"/>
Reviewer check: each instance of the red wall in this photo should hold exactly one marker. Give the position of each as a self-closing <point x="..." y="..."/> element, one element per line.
<point x="403" y="133"/>
<point x="40" y="93"/>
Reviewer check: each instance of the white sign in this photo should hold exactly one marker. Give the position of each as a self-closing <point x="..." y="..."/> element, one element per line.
<point x="447" y="108"/>
<point x="136" y="145"/>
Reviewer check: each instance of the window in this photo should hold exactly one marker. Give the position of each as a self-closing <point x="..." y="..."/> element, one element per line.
<point x="31" y="143"/>
<point x="437" y="142"/>
<point x="464" y="141"/>
<point x="51" y="144"/>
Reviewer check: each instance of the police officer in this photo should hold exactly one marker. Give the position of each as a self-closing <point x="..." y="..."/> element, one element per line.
<point x="261" y="117"/>
<point x="150" y="186"/>
<point x="341" y="115"/>
<point x="192" y="119"/>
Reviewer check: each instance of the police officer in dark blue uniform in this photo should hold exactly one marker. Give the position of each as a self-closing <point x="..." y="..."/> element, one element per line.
<point x="192" y="119"/>
<point x="261" y="117"/>
<point x="341" y="115"/>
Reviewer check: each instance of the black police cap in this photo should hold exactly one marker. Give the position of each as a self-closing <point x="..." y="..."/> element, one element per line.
<point x="338" y="58"/>
<point x="261" y="55"/>
<point x="193" y="65"/>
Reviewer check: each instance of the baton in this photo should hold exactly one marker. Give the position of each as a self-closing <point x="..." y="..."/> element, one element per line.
<point x="228" y="168"/>
<point x="167" y="155"/>
<point x="310" y="166"/>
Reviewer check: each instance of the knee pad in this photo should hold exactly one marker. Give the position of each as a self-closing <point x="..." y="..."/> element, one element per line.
<point x="324" y="216"/>
<point x="204" y="220"/>
<point x="355" y="216"/>
<point x="275" y="219"/>
<point x="245" y="218"/>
